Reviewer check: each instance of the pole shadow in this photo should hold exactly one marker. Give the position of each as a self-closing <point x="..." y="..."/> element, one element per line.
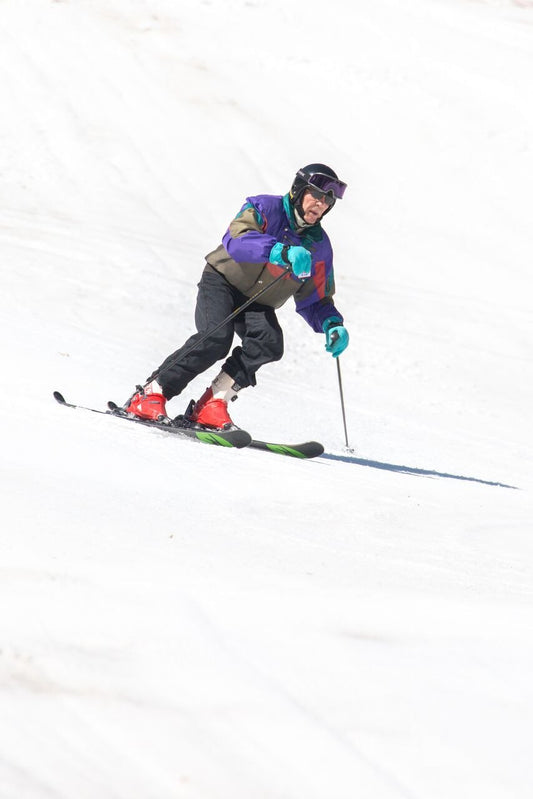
<point x="412" y="470"/>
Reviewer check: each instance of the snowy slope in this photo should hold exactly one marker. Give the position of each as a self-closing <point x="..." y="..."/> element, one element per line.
<point x="179" y="621"/>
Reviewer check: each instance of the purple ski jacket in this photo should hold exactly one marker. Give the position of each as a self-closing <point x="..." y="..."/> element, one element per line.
<point x="243" y="258"/>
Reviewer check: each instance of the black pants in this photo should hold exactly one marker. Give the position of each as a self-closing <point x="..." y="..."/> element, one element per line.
<point x="257" y="327"/>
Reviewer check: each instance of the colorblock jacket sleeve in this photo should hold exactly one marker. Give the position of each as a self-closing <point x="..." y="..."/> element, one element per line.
<point x="247" y="239"/>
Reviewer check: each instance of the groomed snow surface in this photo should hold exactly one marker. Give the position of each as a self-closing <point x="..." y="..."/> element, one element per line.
<point x="186" y="622"/>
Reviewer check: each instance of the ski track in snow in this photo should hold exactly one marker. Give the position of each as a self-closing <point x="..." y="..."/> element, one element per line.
<point x="185" y="621"/>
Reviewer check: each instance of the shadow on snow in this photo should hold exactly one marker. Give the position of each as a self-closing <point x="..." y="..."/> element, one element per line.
<point x="391" y="467"/>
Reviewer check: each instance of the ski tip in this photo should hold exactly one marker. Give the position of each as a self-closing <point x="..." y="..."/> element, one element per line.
<point x="307" y="449"/>
<point x="59" y="397"/>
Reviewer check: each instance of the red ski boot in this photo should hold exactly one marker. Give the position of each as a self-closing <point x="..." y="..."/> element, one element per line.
<point x="211" y="412"/>
<point x="148" y="402"/>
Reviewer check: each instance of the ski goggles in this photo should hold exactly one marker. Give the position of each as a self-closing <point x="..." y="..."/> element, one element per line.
<point x="326" y="184"/>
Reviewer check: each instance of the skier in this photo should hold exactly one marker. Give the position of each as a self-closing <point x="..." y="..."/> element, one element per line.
<point x="270" y="235"/>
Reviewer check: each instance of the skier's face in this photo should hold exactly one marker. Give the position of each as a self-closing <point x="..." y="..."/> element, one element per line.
<point x="314" y="207"/>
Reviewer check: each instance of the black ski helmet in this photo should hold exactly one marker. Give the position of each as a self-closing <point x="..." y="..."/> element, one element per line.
<point x="318" y="176"/>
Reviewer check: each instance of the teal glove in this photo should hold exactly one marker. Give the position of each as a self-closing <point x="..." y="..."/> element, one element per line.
<point x="298" y="257"/>
<point x="337" y="337"/>
<point x="300" y="260"/>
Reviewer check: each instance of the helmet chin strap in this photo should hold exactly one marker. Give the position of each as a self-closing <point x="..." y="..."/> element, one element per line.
<point x="300" y="221"/>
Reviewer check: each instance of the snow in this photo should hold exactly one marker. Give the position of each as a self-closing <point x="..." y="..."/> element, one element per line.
<point x="184" y="621"/>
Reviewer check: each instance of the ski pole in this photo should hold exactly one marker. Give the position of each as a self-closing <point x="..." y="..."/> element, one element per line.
<point x="342" y="403"/>
<point x="334" y="337"/>
<point x="225" y="321"/>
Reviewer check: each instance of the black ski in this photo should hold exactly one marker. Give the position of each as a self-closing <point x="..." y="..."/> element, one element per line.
<point x="221" y="438"/>
<point x="308" y="449"/>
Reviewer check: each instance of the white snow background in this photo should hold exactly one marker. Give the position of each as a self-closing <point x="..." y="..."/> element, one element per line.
<point x="184" y="621"/>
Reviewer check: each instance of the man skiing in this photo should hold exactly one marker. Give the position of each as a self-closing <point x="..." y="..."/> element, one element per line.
<point x="275" y="245"/>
